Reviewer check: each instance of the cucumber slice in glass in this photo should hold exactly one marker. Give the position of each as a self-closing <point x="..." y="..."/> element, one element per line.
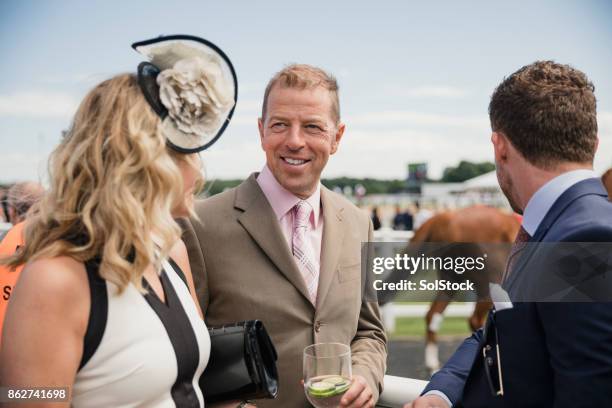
<point x="321" y="389"/>
<point x="323" y="394"/>
<point x="341" y="388"/>
<point x="329" y="387"/>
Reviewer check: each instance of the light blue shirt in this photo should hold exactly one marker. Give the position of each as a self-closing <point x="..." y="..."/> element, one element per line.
<point x="535" y="211"/>
<point x="543" y="199"/>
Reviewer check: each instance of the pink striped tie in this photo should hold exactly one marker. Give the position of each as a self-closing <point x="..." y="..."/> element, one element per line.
<point x="303" y="252"/>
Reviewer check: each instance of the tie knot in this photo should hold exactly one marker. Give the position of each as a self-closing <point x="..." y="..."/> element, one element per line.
<point x="302" y="212"/>
<point x="522" y="236"/>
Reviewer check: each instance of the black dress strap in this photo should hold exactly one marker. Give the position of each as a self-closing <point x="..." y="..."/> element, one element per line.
<point x="182" y="337"/>
<point x="178" y="271"/>
<point x="98" y="312"/>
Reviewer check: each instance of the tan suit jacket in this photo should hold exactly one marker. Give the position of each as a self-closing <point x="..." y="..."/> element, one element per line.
<point x="243" y="269"/>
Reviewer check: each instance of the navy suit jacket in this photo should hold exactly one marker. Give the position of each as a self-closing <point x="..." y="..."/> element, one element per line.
<point x="553" y="354"/>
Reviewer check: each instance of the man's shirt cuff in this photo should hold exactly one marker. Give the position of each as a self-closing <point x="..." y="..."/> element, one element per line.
<point x="441" y="395"/>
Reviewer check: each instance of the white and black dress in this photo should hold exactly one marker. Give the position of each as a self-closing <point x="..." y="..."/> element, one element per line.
<point x="140" y="351"/>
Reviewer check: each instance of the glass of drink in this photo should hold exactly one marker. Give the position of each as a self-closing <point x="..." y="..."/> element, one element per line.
<point x="327" y="373"/>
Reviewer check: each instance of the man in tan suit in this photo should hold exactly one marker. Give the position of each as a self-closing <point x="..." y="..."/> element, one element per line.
<point x="282" y="248"/>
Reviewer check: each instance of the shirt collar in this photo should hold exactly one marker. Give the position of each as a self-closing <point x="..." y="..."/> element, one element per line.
<point x="543" y="199"/>
<point x="282" y="200"/>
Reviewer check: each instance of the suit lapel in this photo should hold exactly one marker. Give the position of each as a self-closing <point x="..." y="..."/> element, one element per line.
<point x="331" y="244"/>
<point x="259" y="220"/>
<point x="580" y="189"/>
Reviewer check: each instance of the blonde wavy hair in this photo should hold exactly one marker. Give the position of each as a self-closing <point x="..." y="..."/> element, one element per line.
<point x="113" y="185"/>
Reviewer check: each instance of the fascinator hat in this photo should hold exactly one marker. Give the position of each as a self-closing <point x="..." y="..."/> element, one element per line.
<point x="192" y="86"/>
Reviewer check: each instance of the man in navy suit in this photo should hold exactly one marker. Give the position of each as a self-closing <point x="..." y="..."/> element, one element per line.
<point x="540" y="354"/>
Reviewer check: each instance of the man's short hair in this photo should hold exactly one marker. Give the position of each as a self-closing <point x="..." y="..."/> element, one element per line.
<point x="548" y="112"/>
<point x="302" y="76"/>
<point x="22" y="196"/>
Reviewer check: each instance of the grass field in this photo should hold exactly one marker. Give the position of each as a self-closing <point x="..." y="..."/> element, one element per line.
<point x="413" y="326"/>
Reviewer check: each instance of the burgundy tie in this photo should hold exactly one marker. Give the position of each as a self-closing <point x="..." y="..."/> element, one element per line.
<point x="520" y="242"/>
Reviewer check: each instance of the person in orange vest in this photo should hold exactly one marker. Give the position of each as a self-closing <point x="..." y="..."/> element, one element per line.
<point x="8" y="277"/>
<point x="20" y="198"/>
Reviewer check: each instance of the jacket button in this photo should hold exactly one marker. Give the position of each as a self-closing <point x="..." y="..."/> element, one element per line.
<point x="317" y="326"/>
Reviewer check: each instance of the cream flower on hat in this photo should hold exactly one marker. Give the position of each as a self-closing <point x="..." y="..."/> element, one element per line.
<point x="192" y="86"/>
<point x="197" y="96"/>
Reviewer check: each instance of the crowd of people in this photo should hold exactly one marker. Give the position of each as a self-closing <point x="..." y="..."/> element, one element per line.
<point x="134" y="270"/>
<point x="408" y="218"/>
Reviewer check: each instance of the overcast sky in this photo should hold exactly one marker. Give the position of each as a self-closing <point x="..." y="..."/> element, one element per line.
<point x="415" y="77"/>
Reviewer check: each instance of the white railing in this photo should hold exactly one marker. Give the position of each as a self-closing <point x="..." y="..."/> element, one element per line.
<point x="399" y="390"/>
<point x="389" y="235"/>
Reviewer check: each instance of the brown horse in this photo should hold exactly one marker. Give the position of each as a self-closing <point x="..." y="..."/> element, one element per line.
<point x="477" y="224"/>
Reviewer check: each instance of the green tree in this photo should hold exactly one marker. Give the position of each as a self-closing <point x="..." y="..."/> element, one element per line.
<point x="217" y="186"/>
<point x="465" y="171"/>
<point x="372" y="186"/>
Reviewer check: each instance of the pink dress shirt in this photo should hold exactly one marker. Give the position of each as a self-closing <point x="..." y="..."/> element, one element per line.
<point x="283" y="201"/>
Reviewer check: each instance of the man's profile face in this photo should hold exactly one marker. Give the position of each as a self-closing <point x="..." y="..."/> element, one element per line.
<point x="298" y="135"/>
<point x="507" y="187"/>
<point x="503" y="175"/>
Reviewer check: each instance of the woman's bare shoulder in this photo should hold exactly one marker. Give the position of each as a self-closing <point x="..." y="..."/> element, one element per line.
<point x="59" y="273"/>
<point x="50" y="302"/>
<point x="62" y="282"/>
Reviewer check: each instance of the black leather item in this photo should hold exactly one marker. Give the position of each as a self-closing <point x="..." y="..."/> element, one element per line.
<point x="242" y="363"/>
<point x="147" y="80"/>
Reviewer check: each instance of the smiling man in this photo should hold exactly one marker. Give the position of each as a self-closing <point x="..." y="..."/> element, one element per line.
<point x="284" y="249"/>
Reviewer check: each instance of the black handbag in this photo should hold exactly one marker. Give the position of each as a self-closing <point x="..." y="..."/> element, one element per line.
<point x="242" y="364"/>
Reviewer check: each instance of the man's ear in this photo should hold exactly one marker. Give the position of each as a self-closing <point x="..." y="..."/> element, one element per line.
<point x="500" y="147"/>
<point x="260" y="126"/>
<point x="337" y="138"/>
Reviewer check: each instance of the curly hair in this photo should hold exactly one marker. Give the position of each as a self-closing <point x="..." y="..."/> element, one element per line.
<point x="548" y="112"/>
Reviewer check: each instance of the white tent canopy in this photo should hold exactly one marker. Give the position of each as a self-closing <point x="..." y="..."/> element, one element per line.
<point x="484" y="182"/>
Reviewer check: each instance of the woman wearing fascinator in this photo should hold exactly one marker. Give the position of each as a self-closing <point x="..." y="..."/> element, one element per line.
<point x="106" y="304"/>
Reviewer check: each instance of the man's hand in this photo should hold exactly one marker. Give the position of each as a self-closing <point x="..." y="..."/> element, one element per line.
<point x="359" y="395"/>
<point x="428" y="401"/>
